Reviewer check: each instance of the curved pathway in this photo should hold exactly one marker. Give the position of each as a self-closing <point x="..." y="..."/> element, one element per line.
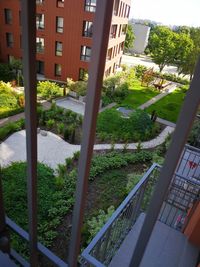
<point x="53" y="150"/>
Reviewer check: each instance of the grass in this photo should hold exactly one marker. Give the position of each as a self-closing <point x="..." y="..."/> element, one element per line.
<point x="139" y="127"/>
<point x="138" y="95"/>
<point x="168" y="108"/>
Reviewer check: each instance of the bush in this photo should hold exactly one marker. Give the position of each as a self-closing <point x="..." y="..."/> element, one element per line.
<point x="49" y="90"/>
<point x="139" y="71"/>
<point x="60" y="127"/>
<point x="97" y="222"/>
<point x="6" y="73"/>
<point x="53" y="201"/>
<point x="9" y="100"/>
<point x="193" y="138"/>
<point x="138" y="127"/>
<point x="115" y="160"/>
<point x="10" y="128"/>
<point x="50" y="123"/>
<point x="80" y="87"/>
<point x="172" y="77"/>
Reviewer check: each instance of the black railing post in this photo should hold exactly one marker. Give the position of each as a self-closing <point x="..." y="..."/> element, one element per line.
<point x="4" y="235"/>
<point x="29" y="71"/>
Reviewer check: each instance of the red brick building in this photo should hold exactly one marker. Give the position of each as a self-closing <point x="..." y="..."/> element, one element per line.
<point x="64" y="36"/>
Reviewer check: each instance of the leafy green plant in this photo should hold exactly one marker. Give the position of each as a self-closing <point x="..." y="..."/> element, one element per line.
<point x="76" y="155"/>
<point x="48" y="90"/>
<point x="60" y="127"/>
<point x="97" y="222"/>
<point x="50" y="123"/>
<point x="10" y="128"/>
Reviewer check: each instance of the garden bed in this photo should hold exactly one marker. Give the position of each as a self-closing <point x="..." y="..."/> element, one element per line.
<point x="56" y="194"/>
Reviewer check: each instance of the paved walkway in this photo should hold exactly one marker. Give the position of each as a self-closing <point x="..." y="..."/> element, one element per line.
<point x="53" y="150"/>
<point x="170" y="88"/>
<point x="16" y="117"/>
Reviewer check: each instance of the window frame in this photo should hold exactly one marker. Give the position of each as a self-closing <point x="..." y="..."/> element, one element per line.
<point x="58" y="51"/>
<point x="8" y="18"/>
<point x="87" y="29"/>
<point x="40" y="23"/>
<point x="90" y="6"/>
<point x="85" y="56"/>
<point x="39" y="46"/>
<point x="9" y="43"/>
<point x="57" y="72"/>
<point x="59" y="29"/>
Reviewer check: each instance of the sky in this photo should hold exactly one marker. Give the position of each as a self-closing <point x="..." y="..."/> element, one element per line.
<point x="168" y="12"/>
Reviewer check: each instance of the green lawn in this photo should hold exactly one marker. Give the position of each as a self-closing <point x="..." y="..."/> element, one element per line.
<point x="168" y="108"/>
<point x="138" y="95"/>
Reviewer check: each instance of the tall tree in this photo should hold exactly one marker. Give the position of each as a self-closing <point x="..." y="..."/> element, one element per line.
<point x="162" y="46"/>
<point x="190" y="61"/>
<point x="129" y="38"/>
<point x="184" y="47"/>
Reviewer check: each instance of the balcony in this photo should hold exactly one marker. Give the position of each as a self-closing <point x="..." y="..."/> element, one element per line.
<point x="114" y="245"/>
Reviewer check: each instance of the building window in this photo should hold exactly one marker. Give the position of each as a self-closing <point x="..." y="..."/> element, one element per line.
<point x="113" y="31"/>
<point x="20" y="41"/>
<point x="107" y="72"/>
<point x="109" y="54"/>
<point x="116" y="7"/>
<point x="60" y="3"/>
<point x="39" y="2"/>
<point x="40" y="67"/>
<point x="90" y="5"/>
<point x="58" y="69"/>
<point x="9" y="39"/>
<point x="119" y="33"/>
<point x="83" y="74"/>
<point x="59" y="24"/>
<point x="58" y="48"/>
<point x="10" y="59"/>
<point x="39" y="45"/>
<point x="40" y="21"/>
<point x="87" y="28"/>
<point x="20" y="18"/>
<point x="124" y="27"/>
<point x="85" y="53"/>
<point x="128" y="11"/>
<point x="8" y="16"/>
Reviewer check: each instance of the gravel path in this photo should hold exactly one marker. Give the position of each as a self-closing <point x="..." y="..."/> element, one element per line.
<point x="53" y="150"/>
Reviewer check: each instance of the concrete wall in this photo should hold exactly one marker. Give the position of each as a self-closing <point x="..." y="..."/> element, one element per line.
<point x="141" y="37"/>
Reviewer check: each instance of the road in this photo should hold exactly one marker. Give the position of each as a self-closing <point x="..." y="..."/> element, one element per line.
<point x="146" y="61"/>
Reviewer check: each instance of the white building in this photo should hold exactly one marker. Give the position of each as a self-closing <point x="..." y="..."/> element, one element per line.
<point x="141" y="38"/>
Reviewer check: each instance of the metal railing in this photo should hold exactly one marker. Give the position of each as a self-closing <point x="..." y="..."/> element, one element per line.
<point x="180" y="197"/>
<point x="106" y="243"/>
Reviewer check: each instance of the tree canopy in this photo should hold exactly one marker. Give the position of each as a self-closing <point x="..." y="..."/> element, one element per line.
<point x="129" y="37"/>
<point x="180" y="48"/>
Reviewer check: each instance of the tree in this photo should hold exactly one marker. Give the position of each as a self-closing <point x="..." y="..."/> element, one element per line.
<point x="192" y="56"/>
<point x="129" y="38"/>
<point x="16" y="67"/>
<point x="184" y="47"/>
<point x="162" y="46"/>
<point x="6" y="74"/>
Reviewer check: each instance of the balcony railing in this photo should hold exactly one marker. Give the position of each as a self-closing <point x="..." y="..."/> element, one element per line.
<point x="106" y="243"/>
<point x="181" y="195"/>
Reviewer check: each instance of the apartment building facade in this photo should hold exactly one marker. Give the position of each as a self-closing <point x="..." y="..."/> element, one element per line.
<point x="64" y="36"/>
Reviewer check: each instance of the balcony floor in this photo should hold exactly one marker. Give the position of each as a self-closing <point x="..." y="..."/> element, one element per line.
<point x="5" y="261"/>
<point x="167" y="248"/>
